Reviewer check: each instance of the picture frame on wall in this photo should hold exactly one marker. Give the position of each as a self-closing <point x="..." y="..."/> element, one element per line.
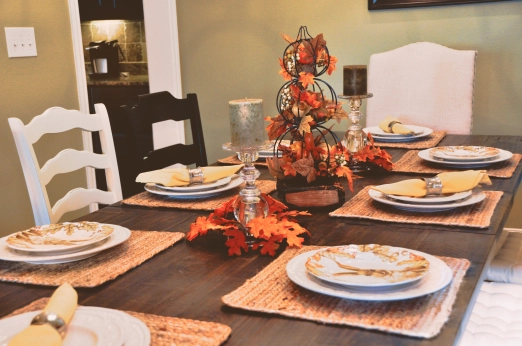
<point x="390" y="4"/>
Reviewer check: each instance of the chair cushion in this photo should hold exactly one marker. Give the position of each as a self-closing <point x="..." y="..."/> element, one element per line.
<point x="507" y="265"/>
<point x="496" y="318"/>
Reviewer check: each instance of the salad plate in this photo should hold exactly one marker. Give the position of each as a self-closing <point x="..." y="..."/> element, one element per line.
<point x="473" y="199"/>
<point x="62" y="237"/>
<point x="464" y="153"/>
<point x="503" y="155"/>
<point x="367" y="265"/>
<point x="195" y="194"/>
<point x="119" y="235"/>
<point x="197" y="187"/>
<point x="90" y="326"/>
<point x="380" y="136"/>
<point x="446" y="198"/>
<point x="438" y="277"/>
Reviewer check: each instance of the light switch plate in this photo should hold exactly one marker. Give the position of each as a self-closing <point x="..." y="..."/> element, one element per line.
<point x="20" y="42"/>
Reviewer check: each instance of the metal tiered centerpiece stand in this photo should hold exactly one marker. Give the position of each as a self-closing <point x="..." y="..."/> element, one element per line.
<point x="250" y="203"/>
<point x="355" y="138"/>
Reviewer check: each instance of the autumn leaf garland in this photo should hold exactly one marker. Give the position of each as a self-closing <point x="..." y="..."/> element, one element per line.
<point x="269" y="232"/>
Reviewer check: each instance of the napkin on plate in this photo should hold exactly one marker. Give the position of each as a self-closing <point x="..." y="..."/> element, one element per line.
<point x="63" y="302"/>
<point x="180" y="176"/>
<point x="396" y="128"/>
<point x="452" y="182"/>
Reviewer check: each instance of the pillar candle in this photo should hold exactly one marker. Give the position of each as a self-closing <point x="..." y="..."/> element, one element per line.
<point x="246" y="122"/>
<point x="354" y="80"/>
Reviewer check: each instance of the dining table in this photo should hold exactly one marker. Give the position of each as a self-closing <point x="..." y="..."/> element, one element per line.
<point x="189" y="279"/>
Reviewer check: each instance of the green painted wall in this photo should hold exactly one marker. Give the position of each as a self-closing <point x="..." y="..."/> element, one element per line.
<point x="28" y="86"/>
<point x="230" y="49"/>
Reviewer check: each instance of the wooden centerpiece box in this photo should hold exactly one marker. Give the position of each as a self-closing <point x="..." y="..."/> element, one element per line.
<point x="321" y="193"/>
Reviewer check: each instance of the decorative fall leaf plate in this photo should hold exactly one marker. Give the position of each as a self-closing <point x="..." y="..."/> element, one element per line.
<point x="464" y="153"/>
<point x="61" y="237"/>
<point x="473" y="199"/>
<point x="118" y="236"/>
<point x="197" y="187"/>
<point x="502" y="156"/>
<point x="439" y="276"/>
<point x="367" y="265"/>
<point x="196" y="194"/>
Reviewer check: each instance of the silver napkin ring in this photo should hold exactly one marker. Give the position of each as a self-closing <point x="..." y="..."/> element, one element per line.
<point x="390" y="125"/>
<point x="433" y="186"/>
<point x="195" y="176"/>
<point x="51" y="318"/>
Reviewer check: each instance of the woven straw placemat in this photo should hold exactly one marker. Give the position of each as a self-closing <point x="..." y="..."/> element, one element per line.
<point x="476" y="215"/>
<point x="271" y="291"/>
<point x="233" y="160"/>
<point x="412" y="163"/>
<point x="92" y="271"/>
<point x="428" y="142"/>
<point x="165" y="330"/>
<point x="147" y="199"/>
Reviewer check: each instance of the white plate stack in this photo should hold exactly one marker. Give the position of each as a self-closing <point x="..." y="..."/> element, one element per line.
<point x="465" y="156"/>
<point x="369" y="272"/>
<point x="90" y="326"/>
<point x="61" y="243"/>
<point x="379" y="135"/>
<point x="429" y="204"/>
<point x="196" y="191"/>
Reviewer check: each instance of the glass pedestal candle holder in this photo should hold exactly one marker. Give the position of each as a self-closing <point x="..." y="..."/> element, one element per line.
<point x="355" y="139"/>
<point x="250" y="203"/>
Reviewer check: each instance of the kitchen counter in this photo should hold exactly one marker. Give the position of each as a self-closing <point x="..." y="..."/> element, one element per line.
<point x="138" y="80"/>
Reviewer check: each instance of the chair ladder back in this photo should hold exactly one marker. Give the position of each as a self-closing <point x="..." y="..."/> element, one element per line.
<point x="56" y="120"/>
<point x="37" y="193"/>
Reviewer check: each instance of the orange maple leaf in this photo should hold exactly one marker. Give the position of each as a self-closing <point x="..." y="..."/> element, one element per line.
<point x="276" y="127"/>
<point x="283" y="72"/>
<point x="274" y="206"/>
<point x="306" y="78"/>
<point x="236" y="241"/>
<point x="288" y="169"/>
<point x="311" y="99"/>
<point x="271" y="245"/>
<point x="332" y="67"/>
<point x="225" y="208"/>
<point x="286" y="38"/>
<point x="346" y="172"/>
<point x="263" y="228"/>
<point x="201" y="227"/>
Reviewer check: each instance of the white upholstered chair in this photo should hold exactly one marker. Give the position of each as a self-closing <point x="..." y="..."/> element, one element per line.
<point x="423" y="84"/>
<point x="56" y="120"/>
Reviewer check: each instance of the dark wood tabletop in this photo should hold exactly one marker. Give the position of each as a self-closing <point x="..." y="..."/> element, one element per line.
<point x="188" y="279"/>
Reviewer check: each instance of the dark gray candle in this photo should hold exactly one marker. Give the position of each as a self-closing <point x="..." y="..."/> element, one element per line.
<point x="354" y="80"/>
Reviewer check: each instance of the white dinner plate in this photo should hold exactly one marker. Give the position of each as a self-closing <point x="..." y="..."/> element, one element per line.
<point x="380" y="136"/>
<point x="379" y="197"/>
<point x="461" y="153"/>
<point x="90" y="326"/>
<point x="57" y="238"/>
<point x="369" y="265"/>
<point x="197" y="187"/>
<point x="196" y="194"/>
<point x="447" y="198"/>
<point x="438" y="277"/>
<point x="502" y="156"/>
<point x="119" y="235"/>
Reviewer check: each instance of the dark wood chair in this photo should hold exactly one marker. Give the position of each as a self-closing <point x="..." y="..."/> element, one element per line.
<point x="156" y="107"/>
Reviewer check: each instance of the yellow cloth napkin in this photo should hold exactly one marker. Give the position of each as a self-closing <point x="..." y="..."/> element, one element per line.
<point x="452" y="182"/>
<point x="180" y="176"/>
<point x="396" y="128"/>
<point x="63" y="302"/>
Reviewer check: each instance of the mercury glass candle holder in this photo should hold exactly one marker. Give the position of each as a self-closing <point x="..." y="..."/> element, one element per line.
<point x="355" y="138"/>
<point x="250" y="203"/>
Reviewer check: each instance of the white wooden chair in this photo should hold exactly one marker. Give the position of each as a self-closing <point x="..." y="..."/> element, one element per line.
<point x="423" y="84"/>
<point x="56" y="120"/>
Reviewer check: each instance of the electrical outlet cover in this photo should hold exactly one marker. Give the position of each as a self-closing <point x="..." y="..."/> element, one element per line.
<point x="20" y="42"/>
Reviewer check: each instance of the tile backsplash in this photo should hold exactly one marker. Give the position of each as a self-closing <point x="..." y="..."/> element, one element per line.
<point x="131" y="38"/>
